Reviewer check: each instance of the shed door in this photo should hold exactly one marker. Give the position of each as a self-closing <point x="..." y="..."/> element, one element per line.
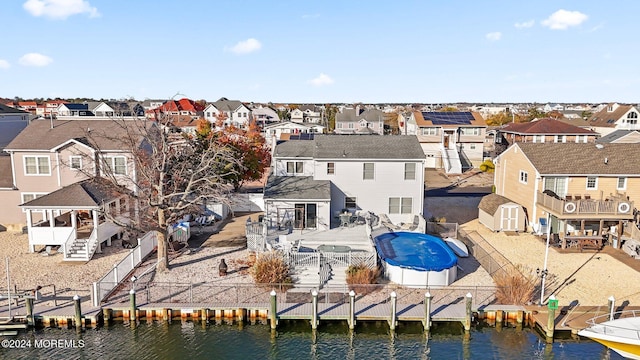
<point x="509" y="217"/>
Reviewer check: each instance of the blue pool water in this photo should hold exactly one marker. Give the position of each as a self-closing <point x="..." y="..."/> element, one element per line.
<point x="415" y="251"/>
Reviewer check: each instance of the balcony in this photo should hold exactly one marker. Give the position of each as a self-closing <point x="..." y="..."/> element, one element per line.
<point x="614" y="208"/>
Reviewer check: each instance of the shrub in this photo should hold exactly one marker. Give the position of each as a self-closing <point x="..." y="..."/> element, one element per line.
<point x="516" y="285"/>
<point x="270" y="268"/>
<point x="361" y="275"/>
<point x="487" y="166"/>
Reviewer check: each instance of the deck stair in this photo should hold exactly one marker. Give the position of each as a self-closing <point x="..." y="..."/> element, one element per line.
<point x="455" y="165"/>
<point x="78" y="251"/>
<point x="338" y="276"/>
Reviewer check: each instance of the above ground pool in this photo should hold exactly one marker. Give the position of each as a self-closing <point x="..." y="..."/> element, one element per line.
<point x="417" y="260"/>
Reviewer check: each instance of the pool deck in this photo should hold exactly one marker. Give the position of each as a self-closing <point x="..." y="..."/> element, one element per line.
<point x="354" y="236"/>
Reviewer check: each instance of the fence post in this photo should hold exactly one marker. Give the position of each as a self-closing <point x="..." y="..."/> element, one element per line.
<point x="115" y="274"/>
<point x="132" y="303"/>
<point x="78" y="312"/>
<point x="314" y="311"/>
<point x="612" y="304"/>
<point x="55" y="297"/>
<point x="467" y="320"/>
<point x="96" y="295"/>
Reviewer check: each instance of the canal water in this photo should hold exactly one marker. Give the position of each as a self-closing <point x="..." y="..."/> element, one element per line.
<point x="293" y="340"/>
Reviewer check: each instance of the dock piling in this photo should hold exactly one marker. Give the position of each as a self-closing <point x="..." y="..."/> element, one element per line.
<point x="467" y="319"/>
<point x="78" y="314"/>
<point x="273" y="310"/>
<point x="427" y="311"/>
<point x="612" y="304"/>
<point x="352" y="310"/>
<point x="132" y="302"/>
<point x="551" y="318"/>
<point x="314" y="310"/>
<point x="394" y="300"/>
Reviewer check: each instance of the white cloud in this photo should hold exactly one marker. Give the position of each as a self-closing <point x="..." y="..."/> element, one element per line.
<point x="494" y="36"/>
<point x="4" y="64"/>
<point x="245" y="47"/>
<point x="525" y="24"/>
<point x="563" y="19"/>
<point x="59" y="9"/>
<point x="322" y="79"/>
<point x="35" y="59"/>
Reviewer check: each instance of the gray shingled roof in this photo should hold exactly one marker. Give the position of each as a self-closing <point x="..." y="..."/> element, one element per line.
<point x="615" y="135"/>
<point x="490" y="203"/>
<point x="224" y="104"/>
<point x="4" y="109"/>
<point x="583" y="159"/>
<point x="6" y="173"/>
<point x="40" y="136"/>
<point x="87" y="194"/>
<point x="370" y="115"/>
<point x="297" y="187"/>
<point x="353" y="147"/>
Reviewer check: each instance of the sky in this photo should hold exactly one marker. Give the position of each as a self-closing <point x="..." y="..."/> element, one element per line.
<point x="315" y="51"/>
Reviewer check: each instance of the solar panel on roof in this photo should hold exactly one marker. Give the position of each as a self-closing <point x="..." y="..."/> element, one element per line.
<point x="449" y="118"/>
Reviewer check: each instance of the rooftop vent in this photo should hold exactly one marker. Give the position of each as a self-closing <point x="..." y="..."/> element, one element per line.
<point x="599" y="146"/>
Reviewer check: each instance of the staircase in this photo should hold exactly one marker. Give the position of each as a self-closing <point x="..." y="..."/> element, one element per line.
<point x="305" y="276"/>
<point x="78" y="251"/>
<point x="455" y="165"/>
<point x="337" y="277"/>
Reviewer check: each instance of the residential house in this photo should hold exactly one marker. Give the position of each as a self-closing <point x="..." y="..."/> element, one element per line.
<point x="265" y="115"/>
<point x="573" y="187"/>
<point x="360" y="121"/>
<point x="615" y="116"/>
<point x="313" y="181"/>
<point x="234" y="112"/>
<point x="28" y="106"/>
<point x="12" y="121"/>
<point x="152" y="104"/>
<point x="74" y="109"/>
<point x="621" y="136"/>
<point x="51" y="155"/>
<point x="51" y="108"/>
<point x="273" y="132"/>
<point x="541" y="131"/>
<point x="453" y="141"/>
<point x="553" y="107"/>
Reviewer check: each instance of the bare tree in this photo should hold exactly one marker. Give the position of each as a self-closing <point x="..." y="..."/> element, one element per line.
<point x="167" y="173"/>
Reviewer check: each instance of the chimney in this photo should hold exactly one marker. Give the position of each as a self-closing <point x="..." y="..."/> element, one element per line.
<point x="606" y="160"/>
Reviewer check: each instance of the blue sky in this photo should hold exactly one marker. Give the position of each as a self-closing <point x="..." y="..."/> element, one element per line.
<point x="323" y="51"/>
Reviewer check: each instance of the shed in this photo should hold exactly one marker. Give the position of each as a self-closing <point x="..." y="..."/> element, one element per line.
<point x="501" y="214"/>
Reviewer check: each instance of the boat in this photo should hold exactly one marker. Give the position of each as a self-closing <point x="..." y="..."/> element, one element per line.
<point x="621" y="334"/>
<point x="458" y="247"/>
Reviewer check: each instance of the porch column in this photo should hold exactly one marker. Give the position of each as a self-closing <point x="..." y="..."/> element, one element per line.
<point x="601" y="226"/>
<point x="32" y="248"/>
<point x="52" y="219"/>
<point x="74" y="219"/>
<point x="620" y="230"/>
<point x="582" y="227"/>
<point x="94" y="214"/>
<point x="118" y="206"/>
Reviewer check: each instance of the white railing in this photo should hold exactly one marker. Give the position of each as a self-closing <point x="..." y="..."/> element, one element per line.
<point x="445" y="158"/>
<point x="337" y="258"/>
<point x="303" y="259"/>
<point x="598" y="325"/>
<point x="102" y="288"/>
<point x="92" y="244"/>
<point x="368" y="259"/>
<point x="66" y="247"/>
<point x="49" y="236"/>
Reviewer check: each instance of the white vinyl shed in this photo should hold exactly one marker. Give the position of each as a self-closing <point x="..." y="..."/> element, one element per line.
<point x="501" y="214"/>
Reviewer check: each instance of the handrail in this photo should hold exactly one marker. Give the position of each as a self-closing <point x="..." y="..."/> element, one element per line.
<point x="445" y="158"/>
<point x="601" y="327"/>
<point x="92" y="244"/>
<point x="68" y="243"/>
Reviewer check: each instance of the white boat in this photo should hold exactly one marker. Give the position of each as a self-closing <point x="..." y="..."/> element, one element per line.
<point x="621" y="335"/>
<point x="458" y="247"/>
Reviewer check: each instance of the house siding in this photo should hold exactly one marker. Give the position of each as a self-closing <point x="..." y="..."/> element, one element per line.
<point x="507" y="175"/>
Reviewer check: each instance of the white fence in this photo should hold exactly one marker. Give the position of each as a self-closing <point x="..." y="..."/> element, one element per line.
<point x="247" y="202"/>
<point x="110" y="281"/>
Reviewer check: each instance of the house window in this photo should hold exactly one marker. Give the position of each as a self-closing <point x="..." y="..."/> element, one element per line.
<point x="339" y="125"/>
<point x="117" y="165"/>
<point x="470" y="131"/>
<point x="524" y="177"/>
<point x="592" y="182"/>
<point x="581" y="138"/>
<point x="556" y="184"/>
<point x="295" y="167"/>
<point x="367" y="171"/>
<point x="431" y="131"/>
<point x="331" y="168"/>
<point x="75" y="162"/>
<point x="472" y="146"/>
<point x="538" y="138"/>
<point x="409" y="171"/>
<point x="37" y="165"/>
<point x="400" y="205"/>
<point x="350" y="125"/>
<point x="26" y="197"/>
<point x="560" y="138"/>
<point x="622" y="183"/>
<point x="350" y="202"/>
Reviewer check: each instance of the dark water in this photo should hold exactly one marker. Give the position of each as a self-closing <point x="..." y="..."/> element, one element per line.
<point x="295" y="341"/>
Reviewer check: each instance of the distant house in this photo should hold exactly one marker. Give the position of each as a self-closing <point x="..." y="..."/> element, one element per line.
<point x="265" y="115"/>
<point x="541" y="131"/>
<point x="152" y="104"/>
<point x="621" y="136"/>
<point x="315" y="180"/>
<point x="307" y="114"/>
<point x="74" y="109"/>
<point x="28" y="106"/>
<point x="234" y="112"/>
<point x="615" y="116"/>
<point x="12" y="122"/>
<point x="574" y="187"/>
<point x="360" y="121"/>
<point x="51" y="107"/>
<point x="274" y="132"/>
<point x="453" y="141"/>
<point x="552" y="107"/>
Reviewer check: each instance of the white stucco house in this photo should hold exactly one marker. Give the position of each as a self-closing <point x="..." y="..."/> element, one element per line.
<point x="313" y="181"/>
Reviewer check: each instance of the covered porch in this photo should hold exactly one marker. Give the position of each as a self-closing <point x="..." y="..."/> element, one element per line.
<point x="577" y="221"/>
<point x="76" y="219"/>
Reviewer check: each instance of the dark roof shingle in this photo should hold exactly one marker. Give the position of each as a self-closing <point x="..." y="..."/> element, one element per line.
<point x="297" y="187"/>
<point x="90" y="193"/>
<point x="545" y="126"/>
<point x="353" y="147"/>
<point x="491" y="202"/>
